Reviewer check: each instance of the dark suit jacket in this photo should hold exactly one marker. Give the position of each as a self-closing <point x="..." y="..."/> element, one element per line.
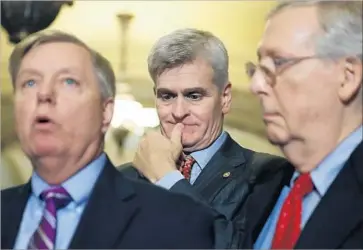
<point x="225" y="193"/>
<point x="122" y="213"/>
<point x="337" y="221"/>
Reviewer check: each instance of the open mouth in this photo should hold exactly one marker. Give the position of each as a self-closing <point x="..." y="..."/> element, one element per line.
<point x="43" y="120"/>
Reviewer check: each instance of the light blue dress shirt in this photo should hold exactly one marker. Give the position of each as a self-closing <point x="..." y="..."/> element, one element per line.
<point x="78" y="186"/>
<point x="202" y="157"/>
<point x="322" y="177"/>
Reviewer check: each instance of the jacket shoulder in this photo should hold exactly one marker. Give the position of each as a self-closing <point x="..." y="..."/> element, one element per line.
<point x="128" y="171"/>
<point x="9" y="193"/>
<point x="266" y="166"/>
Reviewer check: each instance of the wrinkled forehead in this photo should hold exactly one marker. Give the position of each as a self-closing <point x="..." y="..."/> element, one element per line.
<point x="290" y="32"/>
<point x="197" y="74"/>
<point x="54" y="55"/>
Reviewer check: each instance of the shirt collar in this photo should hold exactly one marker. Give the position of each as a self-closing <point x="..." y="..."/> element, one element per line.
<point x="326" y="172"/>
<point x="79" y="186"/>
<point x="202" y="157"/>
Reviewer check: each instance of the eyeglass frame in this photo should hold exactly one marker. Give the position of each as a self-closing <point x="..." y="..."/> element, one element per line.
<point x="251" y="67"/>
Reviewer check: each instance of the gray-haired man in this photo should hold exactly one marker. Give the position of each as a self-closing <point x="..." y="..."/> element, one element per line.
<point x="193" y="155"/>
<point x="309" y="82"/>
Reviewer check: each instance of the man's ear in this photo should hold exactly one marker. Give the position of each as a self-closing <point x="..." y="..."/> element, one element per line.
<point x="226" y="98"/>
<point x="352" y="82"/>
<point x="108" y="108"/>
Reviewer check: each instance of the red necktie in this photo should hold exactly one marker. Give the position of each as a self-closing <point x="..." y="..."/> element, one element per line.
<point x="288" y="227"/>
<point x="186" y="164"/>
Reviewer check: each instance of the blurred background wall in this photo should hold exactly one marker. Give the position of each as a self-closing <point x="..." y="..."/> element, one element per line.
<point x="99" y="23"/>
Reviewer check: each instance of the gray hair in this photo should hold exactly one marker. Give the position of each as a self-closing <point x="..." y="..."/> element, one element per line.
<point x="185" y="46"/>
<point x="102" y="67"/>
<point x="341" y="23"/>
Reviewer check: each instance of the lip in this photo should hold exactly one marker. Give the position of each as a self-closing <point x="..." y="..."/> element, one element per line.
<point x="269" y="116"/>
<point x="43" y="122"/>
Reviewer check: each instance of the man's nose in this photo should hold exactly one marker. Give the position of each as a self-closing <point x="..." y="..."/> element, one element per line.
<point x="180" y="108"/>
<point x="258" y="84"/>
<point x="46" y="92"/>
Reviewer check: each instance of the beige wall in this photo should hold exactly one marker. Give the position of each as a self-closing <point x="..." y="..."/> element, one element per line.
<point x="238" y="23"/>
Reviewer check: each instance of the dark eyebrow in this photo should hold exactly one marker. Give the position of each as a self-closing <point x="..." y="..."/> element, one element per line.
<point x="186" y="91"/>
<point x="195" y="90"/>
<point x="160" y="91"/>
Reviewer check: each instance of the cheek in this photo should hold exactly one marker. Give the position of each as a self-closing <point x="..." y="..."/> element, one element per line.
<point x="301" y="100"/>
<point x="206" y="115"/>
<point x="82" y="116"/>
<point x="23" y="115"/>
<point x="163" y="111"/>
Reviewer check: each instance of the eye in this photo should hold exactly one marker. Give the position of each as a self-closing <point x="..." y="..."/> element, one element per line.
<point x="166" y="97"/>
<point x="194" y="96"/>
<point x="279" y="61"/>
<point x="29" y="83"/>
<point x="70" y="81"/>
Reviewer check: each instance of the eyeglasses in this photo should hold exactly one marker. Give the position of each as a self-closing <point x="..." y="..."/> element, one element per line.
<point x="280" y="64"/>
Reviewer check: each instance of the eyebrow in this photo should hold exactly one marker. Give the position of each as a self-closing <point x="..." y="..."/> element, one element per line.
<point x="272" y="52"/>
<point x="31" y="71"/>
<point x="185" y="91"/>
<point x="200" y="90"/>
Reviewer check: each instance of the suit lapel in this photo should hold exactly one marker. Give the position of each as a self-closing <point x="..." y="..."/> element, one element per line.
<point x="260" y="203"/>
<point x="111" y="207"/>
<point x="339" y="211"/>
<point x="12" y="213"/>
<point x="226" y="159"/>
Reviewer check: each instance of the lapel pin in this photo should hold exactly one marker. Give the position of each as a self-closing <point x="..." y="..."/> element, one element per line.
<point x="226" y="174"/>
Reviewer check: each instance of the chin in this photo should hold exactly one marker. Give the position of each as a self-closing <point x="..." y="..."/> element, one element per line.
<point x="45" y="148"/>
<point x="189" y="142"/>
<point x="277" y="136"/>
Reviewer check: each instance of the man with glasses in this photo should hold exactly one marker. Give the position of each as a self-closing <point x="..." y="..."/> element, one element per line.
<point x="309" y="82"/>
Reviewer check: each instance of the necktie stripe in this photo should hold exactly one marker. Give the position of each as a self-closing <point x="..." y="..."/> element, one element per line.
<point x="50" y="218"/>
<point x="45" y="239"/>
<point x="56" y="195"/>
<point x="38" y="242"/>
<point x="47" y="228"/>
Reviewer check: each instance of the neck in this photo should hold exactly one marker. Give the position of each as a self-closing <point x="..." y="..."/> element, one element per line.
<point x="307" y="154"/>
<point x="58" y="168"/>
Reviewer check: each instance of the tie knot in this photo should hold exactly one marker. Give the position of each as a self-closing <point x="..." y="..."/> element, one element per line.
<point x="185" y="165"/>
<point x="188" y="159"/>
<point x="56" y="195"/>
<point x="303" y="184"/>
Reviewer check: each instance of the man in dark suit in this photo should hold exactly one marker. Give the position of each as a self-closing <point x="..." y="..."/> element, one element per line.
<point x="64" y="94"/>
<point x="309" y="82"/>
<point x="193" y="155"/>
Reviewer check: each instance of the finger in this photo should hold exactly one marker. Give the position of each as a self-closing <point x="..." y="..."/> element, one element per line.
<point x="176" y="134"/>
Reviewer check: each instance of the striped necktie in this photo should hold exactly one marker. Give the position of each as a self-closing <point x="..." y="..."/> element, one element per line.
<point x="44" y="237"/>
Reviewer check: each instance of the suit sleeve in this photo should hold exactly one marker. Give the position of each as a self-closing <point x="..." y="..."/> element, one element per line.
<point x="184" y="187"/>
<point x="226" y="233"/>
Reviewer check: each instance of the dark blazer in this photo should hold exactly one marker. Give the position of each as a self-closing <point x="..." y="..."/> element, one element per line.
<point x="225" y="182"/>
<point x="122" y="213"/>
<point x="337" y="221"/>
